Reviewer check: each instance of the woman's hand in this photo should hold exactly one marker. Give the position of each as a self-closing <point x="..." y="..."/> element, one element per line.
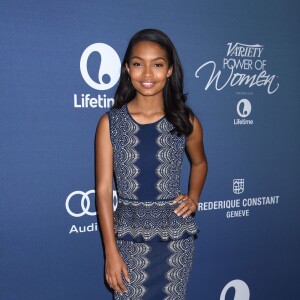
<point x="186" y="207"/>
<point x="114" y="267"/>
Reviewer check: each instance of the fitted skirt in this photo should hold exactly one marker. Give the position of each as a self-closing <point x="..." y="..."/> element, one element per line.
<point x="158" y="270"/>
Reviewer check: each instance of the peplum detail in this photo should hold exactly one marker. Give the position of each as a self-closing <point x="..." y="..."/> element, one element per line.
<point x="151" y="221"/>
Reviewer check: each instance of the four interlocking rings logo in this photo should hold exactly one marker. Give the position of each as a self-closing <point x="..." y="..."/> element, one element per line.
<point x="85" y="203"/>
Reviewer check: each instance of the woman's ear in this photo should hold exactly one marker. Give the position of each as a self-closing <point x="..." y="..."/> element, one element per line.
<point x="170" y="71"/>
<point x="127" y="68"/>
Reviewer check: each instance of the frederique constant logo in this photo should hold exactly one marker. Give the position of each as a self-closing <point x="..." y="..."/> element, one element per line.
<point x="107" y="77"/>
<point x="238" y="186"/>
<point x="239" y="205"/>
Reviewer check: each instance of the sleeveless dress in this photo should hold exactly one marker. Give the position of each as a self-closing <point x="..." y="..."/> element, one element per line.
<point x="156" y="245"/>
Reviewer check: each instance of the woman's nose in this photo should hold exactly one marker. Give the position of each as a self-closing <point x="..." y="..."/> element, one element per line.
<point x="148" y="72"/>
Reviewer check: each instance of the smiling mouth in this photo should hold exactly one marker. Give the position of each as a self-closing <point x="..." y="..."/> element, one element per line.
<point x="147" y="84"/>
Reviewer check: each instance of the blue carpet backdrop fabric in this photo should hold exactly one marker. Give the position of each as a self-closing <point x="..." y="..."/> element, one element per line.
<point x="60" y="63"/>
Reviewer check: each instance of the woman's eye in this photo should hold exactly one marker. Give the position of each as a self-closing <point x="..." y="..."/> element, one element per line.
<point x="158" y="65"/>
<point x="136" y="64"/>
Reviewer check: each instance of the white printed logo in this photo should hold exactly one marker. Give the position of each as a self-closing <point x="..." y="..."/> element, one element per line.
<point x="109" y="69"/>
<point x="244" y="50"/>
<point x="85" y="203"/>
<point x="243" y="108"/>
<point x="238" y="186"/>
<point x="243" y="65"/>
<point x="242" y="291"/>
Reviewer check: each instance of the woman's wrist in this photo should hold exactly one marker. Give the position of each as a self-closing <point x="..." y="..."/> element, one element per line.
<point x="194" y="199"/>
<point x="111" y="250"/>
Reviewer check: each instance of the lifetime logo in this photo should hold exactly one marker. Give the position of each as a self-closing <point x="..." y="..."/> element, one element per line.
<point x="85" y="203"/>
<point x="243" y="108"/>
<point x="242" y="291"/>
<point x="109" y="68"/>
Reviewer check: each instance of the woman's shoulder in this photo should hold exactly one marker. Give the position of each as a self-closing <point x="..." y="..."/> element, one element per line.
<point x="197" y="131"/>
<point x="103" y="122"/>
<point x="194" y="120"/>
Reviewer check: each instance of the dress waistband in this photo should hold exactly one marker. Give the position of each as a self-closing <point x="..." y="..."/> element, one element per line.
<point x="151" y="221"/>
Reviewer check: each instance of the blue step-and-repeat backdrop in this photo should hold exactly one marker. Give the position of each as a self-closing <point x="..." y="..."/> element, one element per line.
<point x="60" y="65"/>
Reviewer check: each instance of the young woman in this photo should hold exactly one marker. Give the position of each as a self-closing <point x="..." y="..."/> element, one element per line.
<point x="149" y="240"/>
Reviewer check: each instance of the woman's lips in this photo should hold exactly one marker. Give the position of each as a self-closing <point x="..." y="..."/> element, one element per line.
<point x="147" y="84"/>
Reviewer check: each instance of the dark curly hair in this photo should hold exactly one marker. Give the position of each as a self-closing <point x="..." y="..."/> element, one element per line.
<point x="176" y="111"/>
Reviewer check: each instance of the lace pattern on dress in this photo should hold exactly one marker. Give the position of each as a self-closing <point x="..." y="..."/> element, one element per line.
<point x="170" y="157"/>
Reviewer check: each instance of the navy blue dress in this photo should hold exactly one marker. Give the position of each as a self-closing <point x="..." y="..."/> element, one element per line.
<point x="156" y="245"/>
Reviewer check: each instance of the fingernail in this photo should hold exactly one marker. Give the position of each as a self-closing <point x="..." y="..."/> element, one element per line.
<point x="175" y="211"/>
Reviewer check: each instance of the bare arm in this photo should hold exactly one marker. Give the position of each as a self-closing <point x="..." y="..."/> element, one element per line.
<point x="195" y="149"/>
<point x="104" y="178"/>
<point x="114" y="263"/>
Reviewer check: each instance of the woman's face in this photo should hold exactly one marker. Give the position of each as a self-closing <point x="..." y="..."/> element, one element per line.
<point x="148" y="68"/>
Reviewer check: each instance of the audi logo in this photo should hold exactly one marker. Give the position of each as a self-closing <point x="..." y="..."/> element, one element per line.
<point x="85" y="203"/>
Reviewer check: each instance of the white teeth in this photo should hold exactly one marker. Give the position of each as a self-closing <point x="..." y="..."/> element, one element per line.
<point x="147" y="84"/>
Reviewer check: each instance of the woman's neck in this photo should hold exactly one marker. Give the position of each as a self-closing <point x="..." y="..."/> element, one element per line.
<point x="147" y="105"/>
